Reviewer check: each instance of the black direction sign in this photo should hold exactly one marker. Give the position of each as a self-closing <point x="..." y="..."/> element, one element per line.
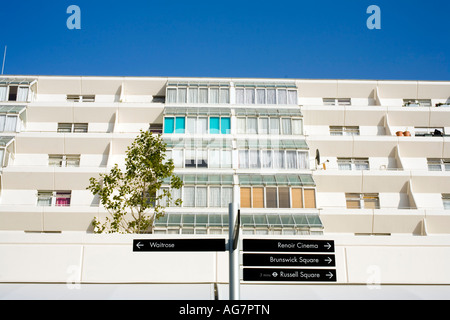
<point x="285" y="274"/>
<point x="147" y="245"/>
<point x="283" y="245"/>
<point x="288" y="260"/>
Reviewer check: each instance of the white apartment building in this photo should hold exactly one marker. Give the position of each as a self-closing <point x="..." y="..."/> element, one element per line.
<point x="339" y="159"/>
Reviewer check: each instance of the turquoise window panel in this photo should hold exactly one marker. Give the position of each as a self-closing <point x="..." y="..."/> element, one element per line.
<point x="225" y="125"/>
<point x="214" y="125"/>
<point x="169" y="125"/>
<point x="180" y="124"/>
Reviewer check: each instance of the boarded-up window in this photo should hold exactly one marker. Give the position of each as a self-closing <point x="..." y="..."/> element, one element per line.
<point x="258" y="197"/>
<point x="297" y="201"/>
<point x="310" y="198"/>
<point x="245" y="198"/>
<point x="271" y="197"/>
<point x="283" y="197"/>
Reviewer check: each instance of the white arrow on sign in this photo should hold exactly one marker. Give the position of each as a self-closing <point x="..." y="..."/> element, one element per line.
<point x="328" y="259"/>
<point x="330" y="275"/>
<point x="139" y="245"/>
<point x="328" y="246"/>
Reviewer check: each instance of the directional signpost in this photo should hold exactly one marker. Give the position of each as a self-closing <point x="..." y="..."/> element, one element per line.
<point x="288" y="260"/>
<point x="174" y="245"/>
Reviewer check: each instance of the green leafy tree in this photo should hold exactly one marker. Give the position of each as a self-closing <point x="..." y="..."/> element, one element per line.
<point x="134" y="197"/>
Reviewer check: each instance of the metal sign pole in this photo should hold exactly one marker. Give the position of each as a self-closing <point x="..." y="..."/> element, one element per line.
<point x="233" y="248"/>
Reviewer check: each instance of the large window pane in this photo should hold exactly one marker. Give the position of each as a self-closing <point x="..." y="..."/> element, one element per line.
<point x="310" y="198"/>
<point x="214" y="197"/>
<point x="243" y="159"/>
<point x="261" y="96"/>
<point x="287" y="126"/>
<point x="241" y="125"/>
<point x="169" y="125"/>
<point x="274" y="126"/>
<point x="202" y="125"/>
<point x="282" y="96"/>
<point x="225" y="125"/>
<point x="252" y="125"/>
<point x="193" y="95"/>
<point x="283" y="198"/>
<point x="239" y="96"/>
<point x="172" y="95"/>
<point x="254" y="159"/>
<point x="177" y="156"/>
<point x="227" y="197"/>
<point x="226" y="159"/>
<point x="180" y="124"/>
<point x="278" y="159"/>
<point x="202" y="158"/>
<point x="292" y="97"/>
<point x="214" y="125"/>
<point x="203" y="95"/>
<point x="291" y="159"/>
<point x="224" y="95"/>
<point x="214" y="158"/>
<point x="271" y="96"/>
<point x="200" y="197"/>
<point x="267" y="159"/>
<point x="245" y="197"/>
<point x="258" y="197"/>
<point x="271" y="197"/>
<point x="189" y="196"/>
<point x="190" y="158"/>
<point x="182" y="95"/>
<point x="263" y="125"/>
<point x="249" y="96"/>
<point x="214" y="95"/>
<point x="191" y="124"/>
<point x="297" y="126"/>
<point x="11" y="123"/>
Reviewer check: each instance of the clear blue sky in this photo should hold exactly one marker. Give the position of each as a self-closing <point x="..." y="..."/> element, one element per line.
<point x="269" y="39"/>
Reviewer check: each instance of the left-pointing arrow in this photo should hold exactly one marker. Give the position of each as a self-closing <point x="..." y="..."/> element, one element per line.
<point x="139" y="245"/>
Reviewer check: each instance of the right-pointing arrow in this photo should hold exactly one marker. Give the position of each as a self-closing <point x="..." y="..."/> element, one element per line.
<point x="330" y="275"/>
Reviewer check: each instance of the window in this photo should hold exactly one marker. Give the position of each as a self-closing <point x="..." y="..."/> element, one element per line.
<point x="353" y="163"/>
<point x="344" y="131"/>
<point x="263" y="125"/>
<point x="64" y="160"/>
<point x="53" y="198"/>
<point x="72" y="127"/>
<point x="417" y="102"/>
<point x="206" y="196"/>
<point x="14" y="93"/>
<point x="8" y="123"/>
<point x="446" y="201"/>
<point x="337" y="101"/>
<point x="362" y="200"/>
<point x="438" y="164"/>
<point x="257" y="95"/>
<point x="156" y="128"/>
<point x="199" y="93"/>
<point x="197" y="125"/>
<point x="276" y="159"/>
<point x="277" y="197"/>
<point x="428" y="132"/>
<point x="78" y="98"/>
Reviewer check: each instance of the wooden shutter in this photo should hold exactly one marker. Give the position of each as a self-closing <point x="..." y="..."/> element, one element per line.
<point x="258" y="197"/>
<point x="271" y="197"/>
<point x="283" y="197"/>
<point x="297" y="198"/>
<point x="310" y="198"/>
<point x="245" y="198"/>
